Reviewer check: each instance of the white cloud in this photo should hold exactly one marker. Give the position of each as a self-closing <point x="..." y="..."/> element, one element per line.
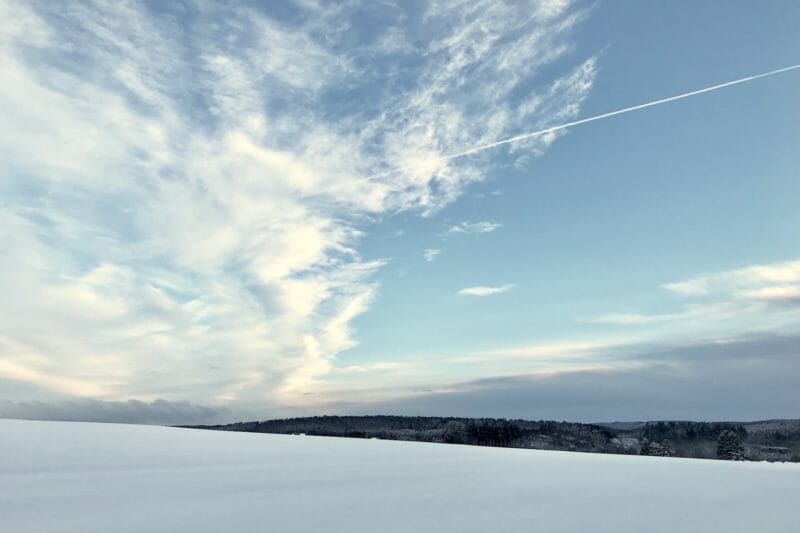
<point x="540" y="352"/>
<point x="710" y="311"/>
<point x="183" y="198"/>
<point x="430" y="254"/>
<point x="775" y="294"/>
<point x="473" y="228"/>
<point x="627" y="319"/>
<point x="383" y="366"/>
<point x="744" y="280"/>
<point x="754" y="290"/>
<point x="485" y="291"/>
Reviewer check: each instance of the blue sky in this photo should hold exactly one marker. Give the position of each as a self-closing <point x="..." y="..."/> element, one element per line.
<point x="247" y="211"/>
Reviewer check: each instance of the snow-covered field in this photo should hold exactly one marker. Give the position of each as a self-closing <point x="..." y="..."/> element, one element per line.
<point x="81" y="477"/>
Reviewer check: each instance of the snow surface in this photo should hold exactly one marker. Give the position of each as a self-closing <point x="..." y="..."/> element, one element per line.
<point x="82" y="477"/>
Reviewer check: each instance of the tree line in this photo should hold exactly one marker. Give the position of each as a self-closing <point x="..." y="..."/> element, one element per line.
<point x="772" y="440"/>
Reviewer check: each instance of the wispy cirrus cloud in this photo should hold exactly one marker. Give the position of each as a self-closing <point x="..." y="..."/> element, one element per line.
<point x="184" y="219"/>
<point x="430" y="254"/>
<point x="481" y="290"/>
<point x="546" y="351"/>
<point x="715" y="310"/>
<point x="467" y="228"/>
<point x="381" y="366"/>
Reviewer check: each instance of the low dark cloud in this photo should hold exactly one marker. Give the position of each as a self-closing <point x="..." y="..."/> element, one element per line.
<point x="129" y="412"/>
<point x="745" y="379"/>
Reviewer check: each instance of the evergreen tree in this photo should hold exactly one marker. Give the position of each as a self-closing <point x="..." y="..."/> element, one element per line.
<point x="644" y="446"/>
<point x="667" y="449"/>
<point x="454" y="432"/>
<point x="729" y="446"/>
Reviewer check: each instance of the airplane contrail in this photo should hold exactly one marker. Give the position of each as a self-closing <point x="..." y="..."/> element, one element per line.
<point x="532" y="134"/>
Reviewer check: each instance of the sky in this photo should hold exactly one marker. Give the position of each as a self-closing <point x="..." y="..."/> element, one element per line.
<point x="219" y="212"/>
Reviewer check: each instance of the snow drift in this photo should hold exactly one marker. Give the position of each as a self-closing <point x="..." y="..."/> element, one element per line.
<point x="83" y="477"/>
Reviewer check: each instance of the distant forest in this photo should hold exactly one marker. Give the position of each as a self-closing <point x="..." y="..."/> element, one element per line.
<point x="771" y="440"/>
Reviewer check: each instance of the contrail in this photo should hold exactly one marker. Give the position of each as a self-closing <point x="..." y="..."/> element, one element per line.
<point x="530" y="135"/>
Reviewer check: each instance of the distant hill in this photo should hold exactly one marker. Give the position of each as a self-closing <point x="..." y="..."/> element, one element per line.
<point x="770" y="440"/>
<point x="622" y="426"/>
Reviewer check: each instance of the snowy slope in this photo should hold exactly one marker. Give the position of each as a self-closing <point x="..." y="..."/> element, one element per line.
<point x="81" y="477"/>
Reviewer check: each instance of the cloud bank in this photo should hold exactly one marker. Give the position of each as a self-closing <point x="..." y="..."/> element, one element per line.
<point x="159" y="412"/>
<point x="750" y="377"/>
